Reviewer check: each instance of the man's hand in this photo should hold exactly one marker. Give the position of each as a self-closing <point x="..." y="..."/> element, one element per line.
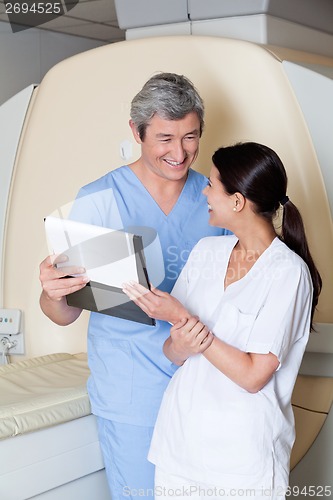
<point x="55" y="288"/>
<point x="53" y="279"/>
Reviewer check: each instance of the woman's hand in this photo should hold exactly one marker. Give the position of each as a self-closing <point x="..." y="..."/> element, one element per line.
<point x="187" y="337"/>
<point x="155" y="303"/>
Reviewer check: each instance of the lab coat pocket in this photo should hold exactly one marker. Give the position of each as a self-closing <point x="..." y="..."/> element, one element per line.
<point x="234" y="325"/>
<point x="112" y="370"/>
<point x="232" y="440"/>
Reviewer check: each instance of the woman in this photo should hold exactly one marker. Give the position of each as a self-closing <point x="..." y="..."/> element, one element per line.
<point x="226" y="425"/>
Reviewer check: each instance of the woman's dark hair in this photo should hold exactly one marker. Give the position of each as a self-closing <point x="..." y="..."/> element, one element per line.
<point x="256" y="171"/>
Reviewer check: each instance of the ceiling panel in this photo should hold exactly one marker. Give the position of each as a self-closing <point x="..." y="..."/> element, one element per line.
<point x="96" y="19"/>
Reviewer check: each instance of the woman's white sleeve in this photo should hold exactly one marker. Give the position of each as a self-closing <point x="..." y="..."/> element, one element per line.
<point x="285" y="316"/>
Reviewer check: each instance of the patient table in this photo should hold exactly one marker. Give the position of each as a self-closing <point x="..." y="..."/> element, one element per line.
<point x="49" y="446"/>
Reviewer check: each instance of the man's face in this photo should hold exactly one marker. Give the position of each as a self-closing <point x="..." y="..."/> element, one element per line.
<point x="170" y="146"/>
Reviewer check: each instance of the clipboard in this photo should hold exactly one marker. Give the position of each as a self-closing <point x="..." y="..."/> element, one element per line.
<point x="110" y="257"/>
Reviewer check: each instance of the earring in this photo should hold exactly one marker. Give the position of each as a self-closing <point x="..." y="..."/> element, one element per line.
<point x="234" y="209"/>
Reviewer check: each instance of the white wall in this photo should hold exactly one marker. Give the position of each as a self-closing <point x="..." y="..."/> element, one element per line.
<point x="27" y="55"/>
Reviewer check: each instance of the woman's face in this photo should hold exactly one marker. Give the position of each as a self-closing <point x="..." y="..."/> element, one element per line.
<point x="220" y="204"/>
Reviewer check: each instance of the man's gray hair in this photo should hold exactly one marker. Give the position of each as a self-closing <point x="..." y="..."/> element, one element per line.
<point x="168" y="95"/>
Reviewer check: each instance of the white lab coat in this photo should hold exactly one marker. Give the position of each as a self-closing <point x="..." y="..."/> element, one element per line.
<point x="209" y="428"/>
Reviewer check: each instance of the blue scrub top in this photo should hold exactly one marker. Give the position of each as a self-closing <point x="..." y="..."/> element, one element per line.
<point x="129" y="371"/>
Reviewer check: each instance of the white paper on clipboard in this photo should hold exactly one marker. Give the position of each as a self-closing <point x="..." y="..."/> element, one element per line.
<point x="107" y="255"/>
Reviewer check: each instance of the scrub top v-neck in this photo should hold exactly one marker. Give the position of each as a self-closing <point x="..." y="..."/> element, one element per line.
<point x="179" y="206"/>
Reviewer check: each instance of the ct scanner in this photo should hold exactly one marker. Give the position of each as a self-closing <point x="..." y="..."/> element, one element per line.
<point x="72" y="128"/>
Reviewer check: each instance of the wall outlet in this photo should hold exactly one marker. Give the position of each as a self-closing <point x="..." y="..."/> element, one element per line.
<point x="11" y="331"/>
<point x="17" y="340"/>
<point x="10" y="321"/>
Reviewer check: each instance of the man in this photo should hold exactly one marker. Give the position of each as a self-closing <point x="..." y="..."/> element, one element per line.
<point x="129" y="371"/>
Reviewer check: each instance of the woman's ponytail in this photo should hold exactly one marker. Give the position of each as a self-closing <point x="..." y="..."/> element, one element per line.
<point x="293" y="235"/>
